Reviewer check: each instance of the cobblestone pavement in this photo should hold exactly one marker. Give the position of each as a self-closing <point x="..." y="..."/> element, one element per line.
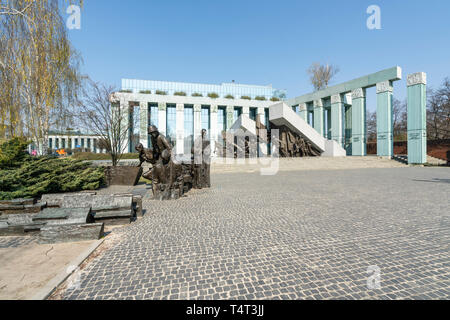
<point x="295" y="235"/>
<point x="16" y="242"/>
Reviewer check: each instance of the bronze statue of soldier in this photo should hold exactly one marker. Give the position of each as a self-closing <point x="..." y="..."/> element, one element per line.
<point x="145" y="155"/>
<point x="162" y="150"/>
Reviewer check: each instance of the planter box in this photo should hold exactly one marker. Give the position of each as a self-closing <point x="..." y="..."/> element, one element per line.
<point x="123" y="175"/>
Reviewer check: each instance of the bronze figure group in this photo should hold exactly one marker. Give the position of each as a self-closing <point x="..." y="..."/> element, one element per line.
<point x="171" y="175"/>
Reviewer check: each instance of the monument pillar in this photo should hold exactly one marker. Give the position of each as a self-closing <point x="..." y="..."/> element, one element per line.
<point x="230" y="110"/>
<point x="124" y="123"/>
<point x="385" y="126"/>
<point x="197" y="120"/>
<point x="143" y="123"/>
<point x="162" y="107"/>
<point x="417" y="118"/>
<point x="213" y="130"/>
<point x="359" y="146"/>
<point x="180" y="129"/>
<point x="303" y="111"/>
<point x="318" y="117"/>
<point x="337" y="119"/>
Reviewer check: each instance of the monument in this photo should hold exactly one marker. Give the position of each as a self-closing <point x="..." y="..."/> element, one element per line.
<point x="172" y="176"/>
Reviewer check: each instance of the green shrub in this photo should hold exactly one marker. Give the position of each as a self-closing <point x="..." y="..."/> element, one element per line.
<point x="229" y="96"/>
<point x="180" y="93"/>
<point x="162" y="93"/>
<point x="274" y="99"/>
<point x="213" y="95"/>
<point x="12" y="152"/>
<point x="126" y="91"/>
<point x="23" y="176"/>
<point x="195" y="94"/>
<point x="145" y="92"/>
<point x="37" y="176"/>
<point x="246" y="98"/>
<point x="260" y="98"/>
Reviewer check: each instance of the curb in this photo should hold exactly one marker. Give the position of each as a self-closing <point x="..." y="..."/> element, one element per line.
<point x="50" y="287"/>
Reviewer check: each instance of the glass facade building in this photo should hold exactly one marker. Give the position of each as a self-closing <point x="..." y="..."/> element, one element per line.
<point x="235" y="89"/>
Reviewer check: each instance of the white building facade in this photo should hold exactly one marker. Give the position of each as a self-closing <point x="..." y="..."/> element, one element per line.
<point x="181" y="110"/>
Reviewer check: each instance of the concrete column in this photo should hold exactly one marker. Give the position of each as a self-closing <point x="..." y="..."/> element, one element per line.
<point x="246" y="111"/>
<point x="197" y="120"/>
<point x="124" y="123"/>
<point x="385" y="126"/>
<point x="213" y="130"/>
<point x="180" y="128"/>
<point x="318" y="117"/>
<point x="359" y="146"/>
<point x="262" y="147"/>
<point x="337" y="119"/>
<point x="417" y="118"/>
<point x="230" y="110"/>
<point x="162" y="117"/>
<point x="303" y="111"/>
<point x="143" y="123"/>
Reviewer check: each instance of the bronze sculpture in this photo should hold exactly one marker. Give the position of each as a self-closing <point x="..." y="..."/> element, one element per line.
<point x="170" y="177"/>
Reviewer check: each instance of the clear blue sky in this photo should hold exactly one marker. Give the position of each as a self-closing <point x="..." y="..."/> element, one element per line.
<point x="261" y="42"/>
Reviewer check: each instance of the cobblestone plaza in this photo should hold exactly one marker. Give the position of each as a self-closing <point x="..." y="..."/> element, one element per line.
<point x="296" y="235"/>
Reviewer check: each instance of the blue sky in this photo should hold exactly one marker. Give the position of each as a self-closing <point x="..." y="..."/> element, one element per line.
<point x="261" y="42"/>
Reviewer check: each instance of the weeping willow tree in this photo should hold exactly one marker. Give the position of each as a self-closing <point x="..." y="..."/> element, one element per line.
<point x="39" y="76"/>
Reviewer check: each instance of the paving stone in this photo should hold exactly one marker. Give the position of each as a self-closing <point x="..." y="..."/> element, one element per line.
<point x="295" y="235"/>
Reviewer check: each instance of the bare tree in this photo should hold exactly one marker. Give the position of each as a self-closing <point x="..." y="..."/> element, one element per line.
<point x="38" y="68"/>
<point x="321" y="75"/>
<point x="438" y="112"/>
<point x="371" y="126"/>
<point x="399" y="119"/>
<point x="100" y="113"/>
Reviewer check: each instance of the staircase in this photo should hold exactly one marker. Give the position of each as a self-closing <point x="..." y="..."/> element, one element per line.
<point x="281" y="114"/>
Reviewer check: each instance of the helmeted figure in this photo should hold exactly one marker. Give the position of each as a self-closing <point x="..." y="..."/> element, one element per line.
<point x="145" y="155"/>
<point x="162" y="150"/>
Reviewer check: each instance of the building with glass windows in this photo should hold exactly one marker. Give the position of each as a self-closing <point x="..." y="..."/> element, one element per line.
<point x="182" y="110"/>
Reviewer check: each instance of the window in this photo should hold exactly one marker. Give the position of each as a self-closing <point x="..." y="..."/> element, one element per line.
<point x="236" y="113"/>
<point x="253" y="113"/>
<point x="171" y="123"/>
<point x="206" y="119"/>
<point x="188" y="128"/>
<point x="50" y="143"/>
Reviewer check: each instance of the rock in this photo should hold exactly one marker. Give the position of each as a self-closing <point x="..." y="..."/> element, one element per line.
<point x="71" y="233"/>
<point x="123" y="175"/>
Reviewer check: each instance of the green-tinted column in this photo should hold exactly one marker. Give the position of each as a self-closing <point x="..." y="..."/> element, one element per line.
<point x="337" y="119"/>
<point x="359" y="147"/>
<point x="385" y="136"/>
<point x="417" y="122"/>
<point x="318" y="117"/>
<point x="303" y="111"/>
